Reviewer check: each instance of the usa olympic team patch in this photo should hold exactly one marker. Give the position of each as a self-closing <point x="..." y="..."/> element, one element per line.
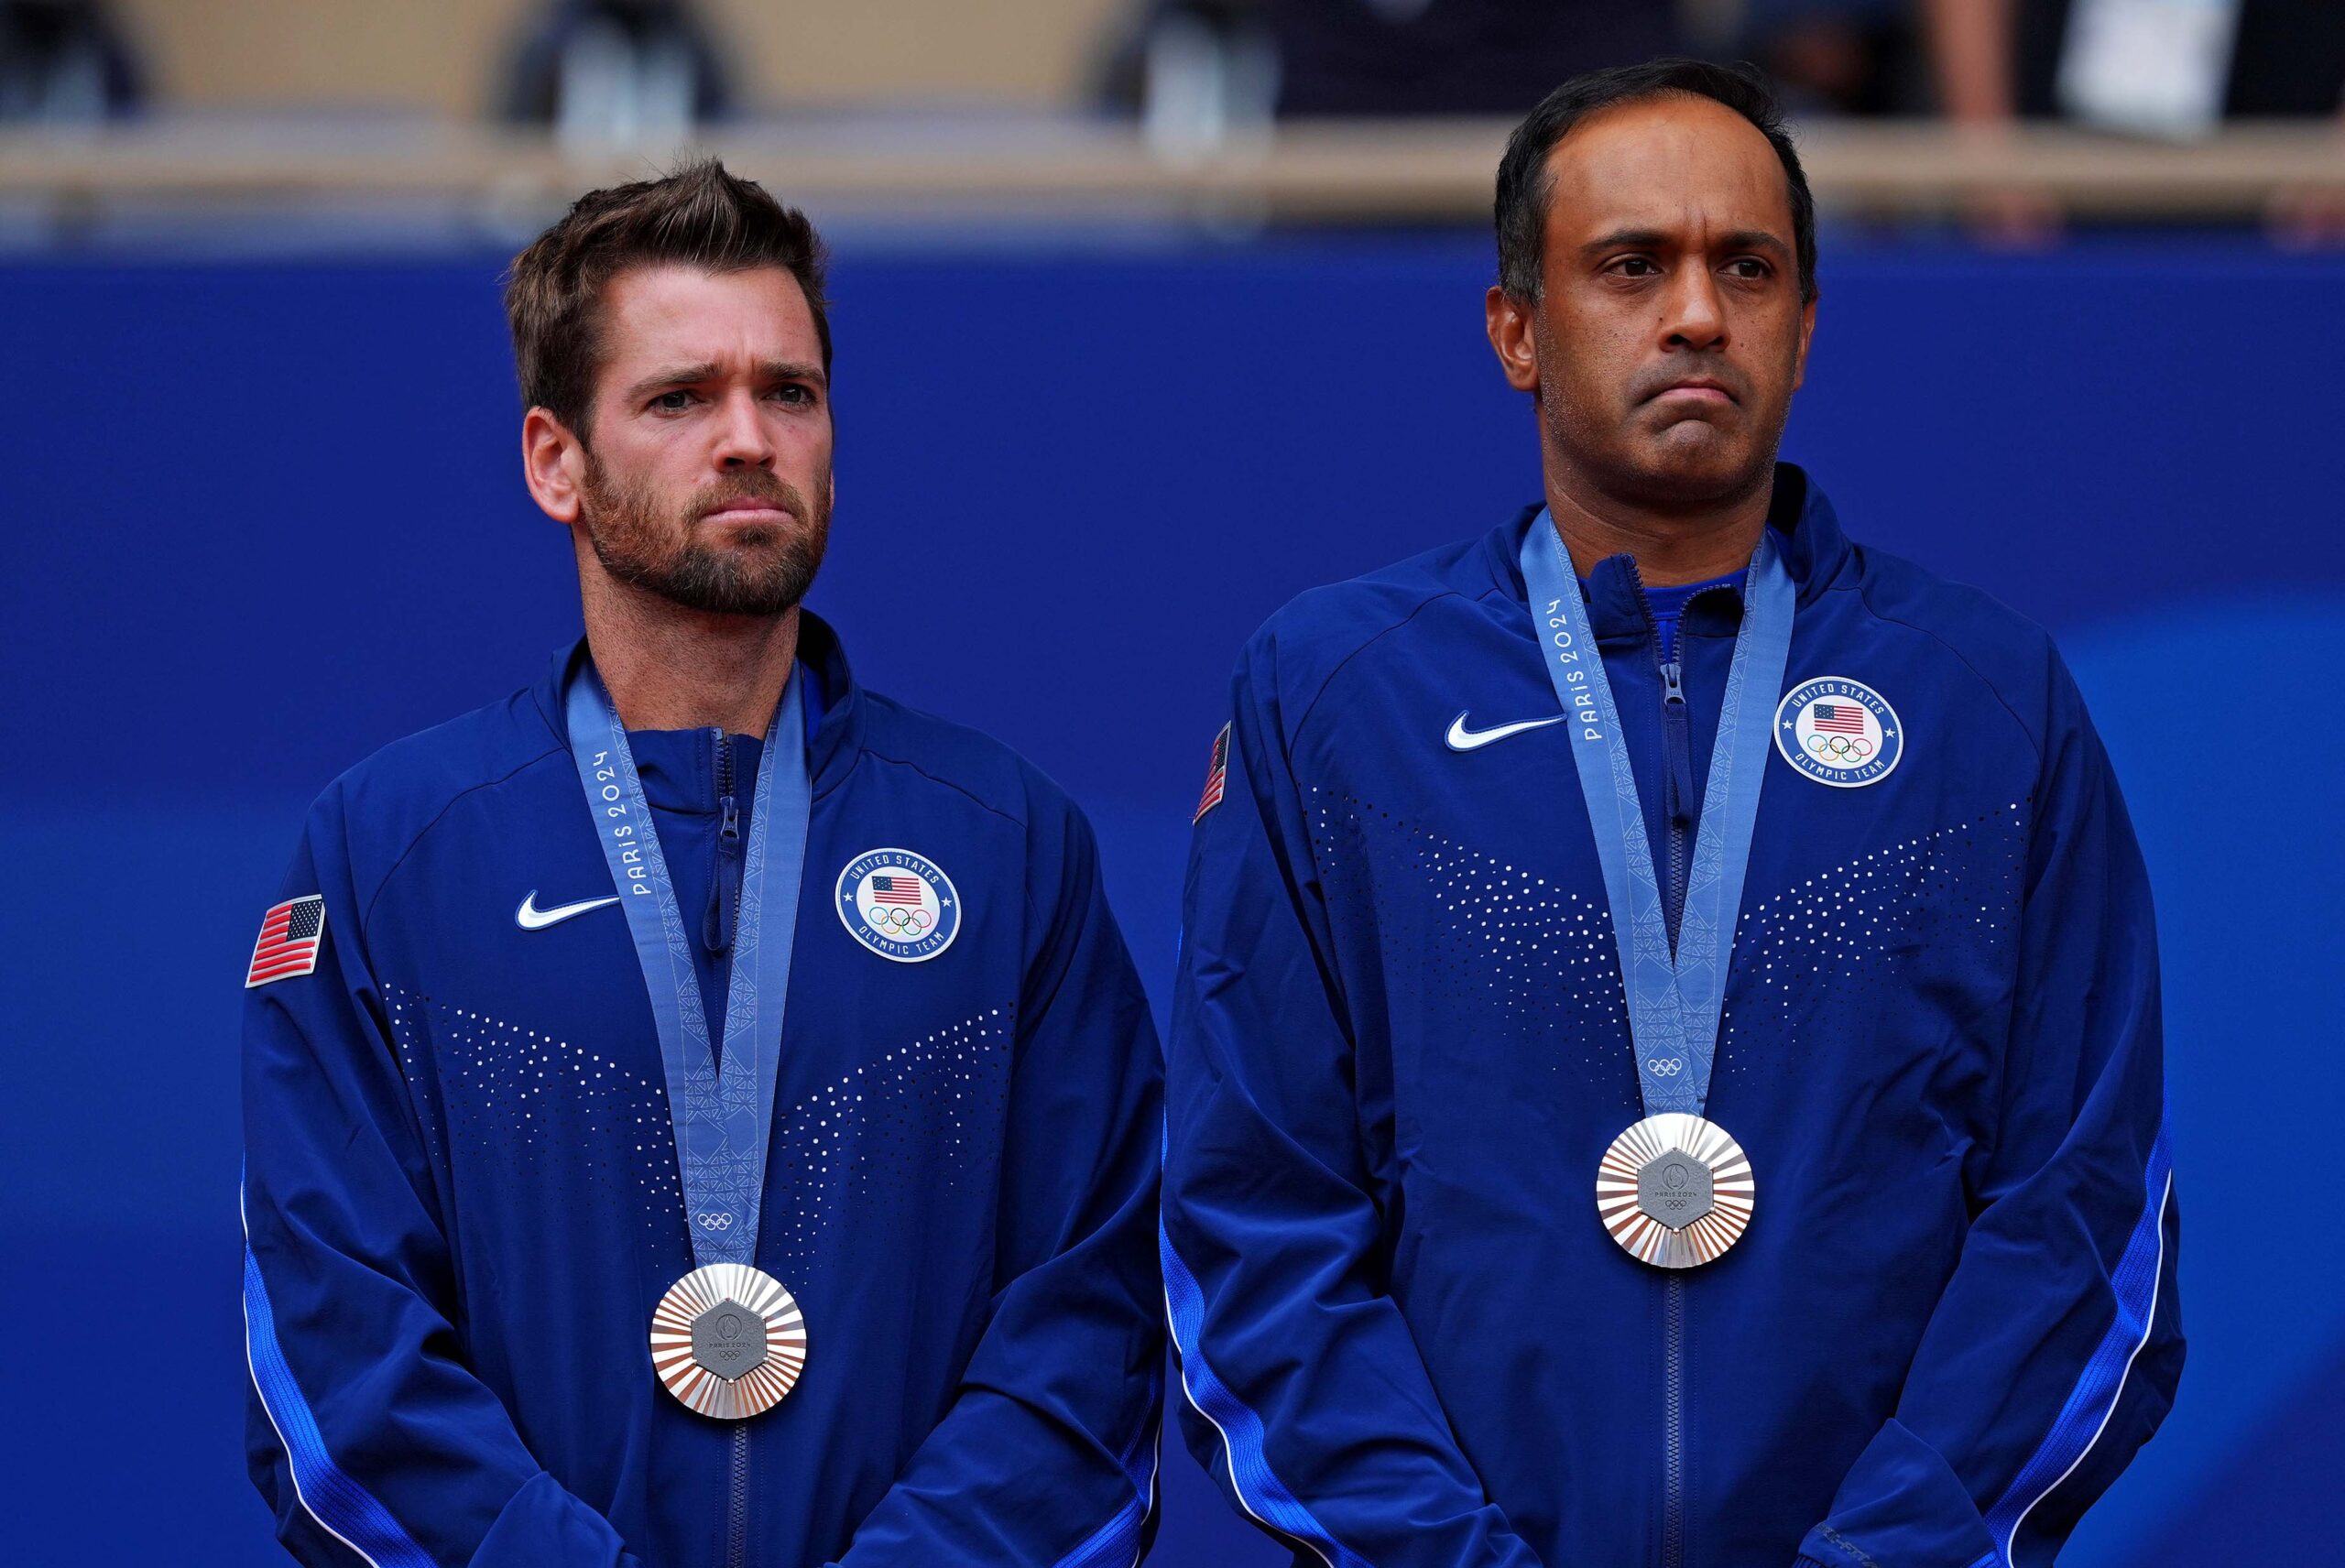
<point x="900" y="905"/>
<point x="1837" y="732"/>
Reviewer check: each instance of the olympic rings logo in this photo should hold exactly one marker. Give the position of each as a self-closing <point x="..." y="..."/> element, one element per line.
<point x="1664" y="1066"/>
<point x="899" y="920"/>
<point x="714" y="1221"/>
<point x="1846" y="751"/>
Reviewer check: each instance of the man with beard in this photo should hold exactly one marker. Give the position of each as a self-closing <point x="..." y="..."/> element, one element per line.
<point x="1665" y="1067"/>
<point x="697" y="1110"/>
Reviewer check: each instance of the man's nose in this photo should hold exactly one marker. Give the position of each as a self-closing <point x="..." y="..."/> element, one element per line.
<point x="742" y="441"/>
<point x="1695" y="317"/>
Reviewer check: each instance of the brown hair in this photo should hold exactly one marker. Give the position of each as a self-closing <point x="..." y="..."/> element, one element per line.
<point x="700" y="215"/>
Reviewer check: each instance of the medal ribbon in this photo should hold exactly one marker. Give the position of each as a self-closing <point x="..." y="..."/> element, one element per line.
<point x="721" y="1118"/>
<point x="1674" y="1000"/>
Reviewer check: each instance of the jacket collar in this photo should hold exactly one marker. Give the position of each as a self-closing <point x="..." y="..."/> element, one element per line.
<point x="837" y="739"/>
<point x="1807" y="531"/>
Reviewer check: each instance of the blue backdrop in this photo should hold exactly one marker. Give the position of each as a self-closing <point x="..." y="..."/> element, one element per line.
<point x="261" y="518"/>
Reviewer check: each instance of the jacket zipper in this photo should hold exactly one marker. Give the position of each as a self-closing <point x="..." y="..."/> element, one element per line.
<point x="737" y="1503"/>
<point x="724" y="906"/>
<point x="725" y="881"/>
<point x="1677" y="796"/>
<point x="1677" y="806"/>
<point x="1673" y="1423"/>
<point x="1677" y="742"/>
<point x="1677" y="760"/>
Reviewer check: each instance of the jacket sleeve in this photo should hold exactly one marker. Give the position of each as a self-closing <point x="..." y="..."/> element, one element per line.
<point x="1047" y="1455"/>
<point x="367" y="1436"/>
<point x="2056" y="1347"/>
<point x="1308" y="1401"/>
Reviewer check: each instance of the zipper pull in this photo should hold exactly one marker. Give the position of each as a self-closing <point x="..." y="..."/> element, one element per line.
<point x="1676" y="721"/>
<point x="725" y="884"/>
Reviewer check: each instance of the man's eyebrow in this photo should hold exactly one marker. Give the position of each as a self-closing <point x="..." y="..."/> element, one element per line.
<point x="789" y="370"/>
<point x="709" y="370"/>
<point x="1654" y="239"/>
<point x="1758" y="240"/>
<point x="675" y="375"/>
<point x="1627" y="239"/>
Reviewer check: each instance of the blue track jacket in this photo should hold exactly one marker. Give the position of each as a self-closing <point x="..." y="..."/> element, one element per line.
<point x="1400" y="1050"/>
<point x="462" y="1200"/>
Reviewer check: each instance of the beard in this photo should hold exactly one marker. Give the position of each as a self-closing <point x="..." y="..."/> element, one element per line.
<point x="759" y="570"/>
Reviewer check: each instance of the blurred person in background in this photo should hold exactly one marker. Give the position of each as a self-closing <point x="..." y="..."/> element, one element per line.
<point x="1836" y="57"/>
<point x="1452" y="57"/>
<point x="1665" y="1064"/>
<point x="1371" y="58"/>
<point x="63" y="62"/>
<point x="2171" y="69"/>
<point x="2166" y="67"/>
<point x="697" y="1027"/>
<point x="616" y="72"/>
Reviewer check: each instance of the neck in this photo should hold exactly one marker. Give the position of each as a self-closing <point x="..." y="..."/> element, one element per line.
<point x="1672" y="545"/>
<point x="669" y="668"/>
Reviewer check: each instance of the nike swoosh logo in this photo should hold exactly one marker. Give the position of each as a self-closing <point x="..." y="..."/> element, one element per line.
<point x="529" y="917"/>
<point x="1460" y="738"/>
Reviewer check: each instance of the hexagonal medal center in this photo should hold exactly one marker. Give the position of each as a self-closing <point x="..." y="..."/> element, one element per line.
<point x="1675" y="1189"/>
<point x="729" y="1339"/>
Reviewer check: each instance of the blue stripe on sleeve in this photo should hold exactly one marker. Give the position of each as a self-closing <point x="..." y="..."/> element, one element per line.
<point x="349" y="1512"/>
<point x="2094" y="1399"/>
<point x="1116" y="1542"/>
<point x="1259" y="1491"/>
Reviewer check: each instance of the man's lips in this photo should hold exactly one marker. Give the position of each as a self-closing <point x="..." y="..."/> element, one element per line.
<point x="746" y="510"/>
<point x="1700" y="389"/>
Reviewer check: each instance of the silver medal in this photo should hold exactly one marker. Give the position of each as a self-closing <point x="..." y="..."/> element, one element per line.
<point x="1676" y="1191"/>
<point x="729" y="1340"/>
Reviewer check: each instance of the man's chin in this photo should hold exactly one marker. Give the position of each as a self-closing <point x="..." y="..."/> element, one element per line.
<point x="1694" y="461"/>
<point x="722" y="583"/>
<point x="759" y="600"/>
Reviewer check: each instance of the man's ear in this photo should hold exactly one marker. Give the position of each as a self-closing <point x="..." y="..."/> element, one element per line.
<point x="553" y="461"/>
<point x="1511" y="330"/>
<point x="1806" y="336"/>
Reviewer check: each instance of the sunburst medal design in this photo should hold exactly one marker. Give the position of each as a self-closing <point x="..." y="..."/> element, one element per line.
<point x="728" y="1340"/>
<point x="1676" y="1191"/>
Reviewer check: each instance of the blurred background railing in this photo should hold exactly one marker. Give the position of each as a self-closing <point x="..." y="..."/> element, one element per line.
<point x="991" y="169"/>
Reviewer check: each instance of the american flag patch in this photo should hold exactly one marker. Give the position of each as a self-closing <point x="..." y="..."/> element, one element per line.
<point x="290" y="934"/>
<point x="897" y="887"/>
<point x="1216" y="776"/>
<point x="1837" y="718"/>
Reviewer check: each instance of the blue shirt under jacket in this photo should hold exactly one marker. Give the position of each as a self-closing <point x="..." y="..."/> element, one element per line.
<point x="462" y="1201"/>
<point x="1399" y="1049"/>
<point x="1668" y="606"/>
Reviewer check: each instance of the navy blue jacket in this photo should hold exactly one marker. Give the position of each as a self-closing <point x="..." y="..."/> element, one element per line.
<point x="1400" y="1048"/>
<point x="461" y="1198"/>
